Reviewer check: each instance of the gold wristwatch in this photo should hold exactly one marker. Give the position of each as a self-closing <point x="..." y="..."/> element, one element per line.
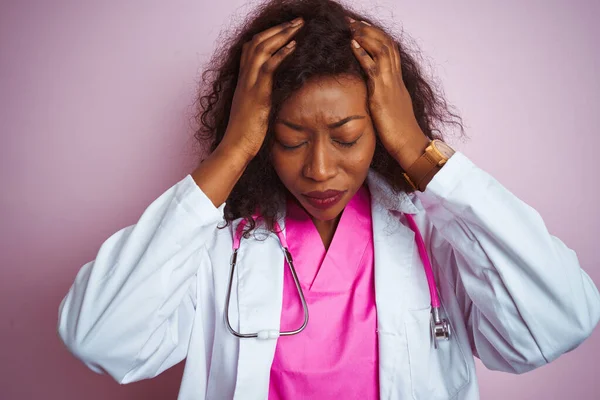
<point x="432" y="160"/>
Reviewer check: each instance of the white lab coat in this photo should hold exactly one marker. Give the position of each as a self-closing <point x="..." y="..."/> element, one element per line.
<point x="514" y="294"/>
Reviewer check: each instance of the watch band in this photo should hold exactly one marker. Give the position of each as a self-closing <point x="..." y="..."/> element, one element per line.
<point x="423" y="169"/>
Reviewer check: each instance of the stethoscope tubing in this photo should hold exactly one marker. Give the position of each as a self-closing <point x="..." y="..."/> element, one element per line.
<point x="264" y="334"/>
<point x="440" y="328"/>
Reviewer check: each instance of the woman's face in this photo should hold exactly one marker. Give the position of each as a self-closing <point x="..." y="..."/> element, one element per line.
<point x="324" y="144"/>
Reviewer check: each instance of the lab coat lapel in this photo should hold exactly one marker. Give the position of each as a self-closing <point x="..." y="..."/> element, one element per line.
<point x="395" y="249"/>
<point x="259" y="296"/>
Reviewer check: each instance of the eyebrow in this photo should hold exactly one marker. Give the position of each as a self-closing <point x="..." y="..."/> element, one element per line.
<point x="333" y="125"/>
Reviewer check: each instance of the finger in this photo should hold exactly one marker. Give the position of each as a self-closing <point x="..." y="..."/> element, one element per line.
<point x="266" y="46"/>
<point x="266" y="34"/>
<point x="366" y="62"/>
<point x="262" y="52"/>
<point x="364" y="29"/>
<point x="244" y="56"/>
<point x="380" y="52"/>
<point x="268" y="68"/>
<point x="397" y="58"/>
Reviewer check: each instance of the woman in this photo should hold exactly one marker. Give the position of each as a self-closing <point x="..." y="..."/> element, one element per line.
<point x="322" y="134"/>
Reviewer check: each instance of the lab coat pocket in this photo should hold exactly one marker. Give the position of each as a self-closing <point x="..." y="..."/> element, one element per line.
<point x="436" y="374"/>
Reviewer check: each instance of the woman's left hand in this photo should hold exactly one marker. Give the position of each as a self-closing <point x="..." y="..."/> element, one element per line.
<point x="390" y="104"/>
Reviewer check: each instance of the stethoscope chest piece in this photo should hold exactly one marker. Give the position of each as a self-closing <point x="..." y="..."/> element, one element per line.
<point x="440" y="328"/>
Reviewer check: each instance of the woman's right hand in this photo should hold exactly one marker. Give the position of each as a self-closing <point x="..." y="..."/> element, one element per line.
<point x="249" y="116"/>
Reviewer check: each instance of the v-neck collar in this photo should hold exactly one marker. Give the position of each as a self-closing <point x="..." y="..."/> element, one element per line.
<point x="333" y="270"/>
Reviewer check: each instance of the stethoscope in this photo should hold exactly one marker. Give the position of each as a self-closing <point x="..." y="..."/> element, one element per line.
<point x="440" y="328"/>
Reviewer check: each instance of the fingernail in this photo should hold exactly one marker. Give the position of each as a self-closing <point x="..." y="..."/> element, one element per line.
<point x="350" y="19"/>
<point x="355" y="44"/>
<point x="291" y="44"/>
<point x="366" y="23"/>
<point x="297" y="21"/>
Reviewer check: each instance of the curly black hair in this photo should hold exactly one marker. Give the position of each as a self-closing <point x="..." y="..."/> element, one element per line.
<point x="322" y="49"/>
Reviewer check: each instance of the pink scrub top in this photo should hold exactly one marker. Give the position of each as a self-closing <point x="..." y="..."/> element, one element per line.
<point x="336" y="355"/>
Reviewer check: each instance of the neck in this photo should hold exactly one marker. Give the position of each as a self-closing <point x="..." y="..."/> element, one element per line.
<point x="326" y="229"/>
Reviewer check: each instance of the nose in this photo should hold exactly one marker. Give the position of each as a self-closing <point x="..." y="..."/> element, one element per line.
<point x="320" y="164"/>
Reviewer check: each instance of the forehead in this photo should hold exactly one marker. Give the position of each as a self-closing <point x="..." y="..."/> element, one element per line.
<point x="325" y="99"/>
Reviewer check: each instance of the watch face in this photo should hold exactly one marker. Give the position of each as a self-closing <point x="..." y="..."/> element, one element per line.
<point x="443" y="148"/>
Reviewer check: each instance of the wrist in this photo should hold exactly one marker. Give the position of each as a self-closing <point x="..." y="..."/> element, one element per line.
<point x="422" y="171"/>
<point x="411" y="149"/>
<point x="236" y="152"/>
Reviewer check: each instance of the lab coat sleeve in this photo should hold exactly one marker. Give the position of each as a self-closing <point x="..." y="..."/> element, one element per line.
<point x="130" y="311"/>
<point x="525" y="298"/>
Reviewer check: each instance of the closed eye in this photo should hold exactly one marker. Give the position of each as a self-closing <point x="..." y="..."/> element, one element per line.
<point x="339" y="142"/>
<point x="348" y="144"/>
<point x="290" y="147"/>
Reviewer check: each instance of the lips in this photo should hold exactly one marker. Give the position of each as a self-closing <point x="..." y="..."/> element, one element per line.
<point x="324" y="200"/>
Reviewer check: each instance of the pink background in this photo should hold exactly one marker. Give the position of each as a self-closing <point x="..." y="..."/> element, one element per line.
<point x="94" y="123"/>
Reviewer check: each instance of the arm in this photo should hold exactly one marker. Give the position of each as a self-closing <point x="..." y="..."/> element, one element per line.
<point x="526" y="299"/>
<point x="130" y="311"/>
<point x="132" y="308"/>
